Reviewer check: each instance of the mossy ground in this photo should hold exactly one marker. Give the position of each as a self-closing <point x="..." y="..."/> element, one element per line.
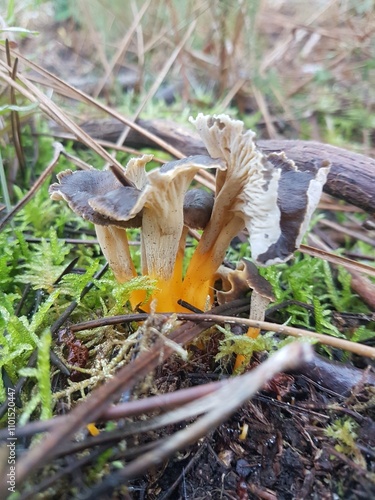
<point x="307" y="74"/>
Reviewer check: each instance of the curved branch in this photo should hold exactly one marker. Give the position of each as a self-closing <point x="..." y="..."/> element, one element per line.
<point x="352" y="176"/>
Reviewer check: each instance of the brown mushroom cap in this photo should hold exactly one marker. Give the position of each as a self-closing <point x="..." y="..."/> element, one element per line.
<point x="117" y="205"/>
<point x="256" y="282"/>
<point x="198" y="205"/>
<point x="85" y="190"/>
<point x="241" y="280"/>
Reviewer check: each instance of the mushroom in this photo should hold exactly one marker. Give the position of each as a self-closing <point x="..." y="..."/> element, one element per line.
<point x="239" y="281"/>
<point x="268" y="195"/>
<point x="244" y="278"/>
<point x="198" y="206"/>
<point x="79" y="189"/>
<point x="261" y="296"/>
<point x="153" y="200"/>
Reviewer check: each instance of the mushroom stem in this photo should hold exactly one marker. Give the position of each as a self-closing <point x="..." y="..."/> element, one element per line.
<point x="113" y="241"/>
<point x="200" y="276"/>
<point x="258" y="306"/>
<point x="168" y="290"/>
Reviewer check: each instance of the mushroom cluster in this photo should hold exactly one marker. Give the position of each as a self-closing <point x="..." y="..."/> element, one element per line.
<point x="266" y="194"/>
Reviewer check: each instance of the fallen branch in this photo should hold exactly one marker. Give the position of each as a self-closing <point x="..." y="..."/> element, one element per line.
<point x="352" y="175"/>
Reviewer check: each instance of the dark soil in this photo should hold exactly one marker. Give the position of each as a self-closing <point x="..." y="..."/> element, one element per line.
<point x="285" y="454"/>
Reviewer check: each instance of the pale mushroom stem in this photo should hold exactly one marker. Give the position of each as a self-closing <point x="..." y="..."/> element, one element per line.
<point x="169" y="290"/>
<point x="113" y="241"/>
<point x="258" y="306"/>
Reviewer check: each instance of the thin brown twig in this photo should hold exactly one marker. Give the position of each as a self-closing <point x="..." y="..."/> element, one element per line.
<point x="339" y="208"/>
<point x="337" y="259"/>
<point x="15" y="122"/>
<point x="346" y="345"/>
<point x="77" y="241"/>
<point x="356" y="235"/>
<point x="77" y="161"/>
<point x="161" y="402"/>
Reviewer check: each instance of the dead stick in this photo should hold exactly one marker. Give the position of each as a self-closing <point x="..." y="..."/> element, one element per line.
<point x="352" y="176"/>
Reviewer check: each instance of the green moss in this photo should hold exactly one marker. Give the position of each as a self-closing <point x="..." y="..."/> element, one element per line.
<point x="343" y="432"/>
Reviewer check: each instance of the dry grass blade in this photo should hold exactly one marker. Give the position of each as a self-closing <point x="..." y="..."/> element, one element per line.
<point x="77" y="161"/>
<point x="65" y="89"/>
<point x="158" y="81"/>
<point x="236" y="87"/>
<point x="356" y="235"/>
<point x="15" y="120"/>
<point x="360" y="284"/>
<point x="337" y="259"/>
<point x="204" y="182"/>
<point x="122" y="48"/>
<point x="262" y="105"/>
<point x="58" y="149"/>
<point x="31" y="92"/>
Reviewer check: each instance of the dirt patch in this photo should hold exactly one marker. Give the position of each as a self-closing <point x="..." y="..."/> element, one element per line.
<point x="284" y="454"/>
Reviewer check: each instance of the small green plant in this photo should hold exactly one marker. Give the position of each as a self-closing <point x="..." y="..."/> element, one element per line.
<point x="245" y="346"/>
<point x="19" y="337"/>
<point x="47" y="263"/>
<point x="312" y="282"/>
<point x="343" y="431"/>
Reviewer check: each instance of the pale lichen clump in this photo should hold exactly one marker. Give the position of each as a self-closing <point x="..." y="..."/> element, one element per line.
<point x="266" y="194"/>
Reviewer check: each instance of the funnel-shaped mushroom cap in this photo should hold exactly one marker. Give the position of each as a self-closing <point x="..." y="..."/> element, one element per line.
<point x="285" y="202"/>
<point x="242" y="279"/>
<point x="223" y="138"/>
<point x="267" y="195"/>
<point x="160" y="200"/>
<point x="273" y="197"/>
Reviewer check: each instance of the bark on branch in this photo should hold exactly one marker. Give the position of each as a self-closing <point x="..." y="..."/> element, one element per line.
<point x="352" y="176"/>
